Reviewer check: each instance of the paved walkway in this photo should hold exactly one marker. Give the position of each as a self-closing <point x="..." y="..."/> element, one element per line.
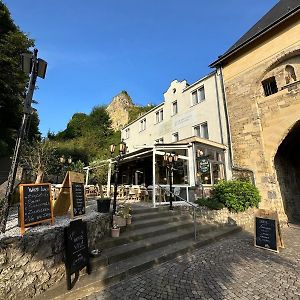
<point x="229" y="269"/>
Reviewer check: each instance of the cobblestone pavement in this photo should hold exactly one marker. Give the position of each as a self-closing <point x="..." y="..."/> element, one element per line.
<point x="229" y="269"/>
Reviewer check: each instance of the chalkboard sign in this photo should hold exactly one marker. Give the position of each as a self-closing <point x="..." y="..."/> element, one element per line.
<point x="76" y="249"/>
<point x="78" y="201"/>
<point x="35" y="204"/>
<point x="266" y="233"/>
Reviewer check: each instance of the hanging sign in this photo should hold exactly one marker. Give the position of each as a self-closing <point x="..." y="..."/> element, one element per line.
<point x="204" y="165"/>
<point x="35" y="204"/>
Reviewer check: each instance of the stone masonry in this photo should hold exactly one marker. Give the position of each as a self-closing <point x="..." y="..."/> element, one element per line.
<point x="258" y="123"/>
<point x="33" y="263"/>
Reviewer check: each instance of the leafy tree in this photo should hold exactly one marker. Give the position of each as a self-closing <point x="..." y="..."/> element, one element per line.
<point x="136" y="111"/>
<point x="13" y="43"/>
<point x="40" y="158"/>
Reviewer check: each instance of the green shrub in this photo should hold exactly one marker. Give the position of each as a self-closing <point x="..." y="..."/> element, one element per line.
<point x="236" y="195"/>
<point x="210" y="203"/>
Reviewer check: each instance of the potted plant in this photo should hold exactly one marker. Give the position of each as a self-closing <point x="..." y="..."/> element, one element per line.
<point x="128" y="219"/>
<point x="103" y="205"/>
<point x="115" y="230"/>
<point x="119" y="218"/>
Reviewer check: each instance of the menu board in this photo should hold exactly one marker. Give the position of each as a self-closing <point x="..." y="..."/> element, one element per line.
<point x="78" y="201"/>
<point x="76" y="249"/>
<point x="266" y="233"/>
<point x="35" y="204"/>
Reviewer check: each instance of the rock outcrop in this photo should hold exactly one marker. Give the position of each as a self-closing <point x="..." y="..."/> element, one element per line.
<point x="118" y="110"/>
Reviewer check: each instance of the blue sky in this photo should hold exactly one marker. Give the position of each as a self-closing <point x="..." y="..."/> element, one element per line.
<point x="97" y="48"/>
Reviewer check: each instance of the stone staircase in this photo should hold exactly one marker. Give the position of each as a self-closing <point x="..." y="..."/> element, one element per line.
<point x="155" y="236"/>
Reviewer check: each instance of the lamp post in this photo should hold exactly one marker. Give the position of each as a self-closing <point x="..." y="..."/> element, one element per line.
<point x="63" y="162"/>
<point x="170" y="160"/>
<point x="36" y="67"/>
<point x="118" y="158"/>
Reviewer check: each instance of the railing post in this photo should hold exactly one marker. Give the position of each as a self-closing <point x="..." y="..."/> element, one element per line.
<point x="195" y="226"/>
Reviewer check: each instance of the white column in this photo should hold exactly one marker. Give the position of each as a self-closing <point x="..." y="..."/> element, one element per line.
<point x="87" y="176"/>
<point x="153" y="177"/>
<point x="192" y="166"/>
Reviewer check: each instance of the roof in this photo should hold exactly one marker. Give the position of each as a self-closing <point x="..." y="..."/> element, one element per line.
<point x="280" y="12"/>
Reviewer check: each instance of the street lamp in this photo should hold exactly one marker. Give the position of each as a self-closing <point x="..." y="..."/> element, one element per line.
<point x="118" y="158"/>
<point x="170" y="160"/>
<point x="36" y="67"/>
<point x="63" y="162"/>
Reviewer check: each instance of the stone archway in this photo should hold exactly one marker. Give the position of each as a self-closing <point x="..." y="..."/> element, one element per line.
<point x="287" y="165"/>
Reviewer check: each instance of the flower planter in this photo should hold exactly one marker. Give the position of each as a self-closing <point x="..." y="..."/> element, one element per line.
<point x="115" y="232"/>
<point x="120" y="221"/>
<point x="128" y="221"/>
<point x="103" y="205"/>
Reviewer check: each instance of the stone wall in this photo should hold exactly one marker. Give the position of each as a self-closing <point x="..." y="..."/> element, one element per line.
<point x="224" y="216"/>
<point x="33" y="263"/>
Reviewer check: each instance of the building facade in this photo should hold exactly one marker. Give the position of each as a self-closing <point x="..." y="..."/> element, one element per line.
<point x="261" y="75"/>
<point x="191" y="119"/>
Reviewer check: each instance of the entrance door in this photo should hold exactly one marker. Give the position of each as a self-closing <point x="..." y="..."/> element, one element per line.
<point x="287" y="164"/>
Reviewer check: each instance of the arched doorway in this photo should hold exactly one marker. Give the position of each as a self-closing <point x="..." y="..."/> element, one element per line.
<point x="287" y="164"/>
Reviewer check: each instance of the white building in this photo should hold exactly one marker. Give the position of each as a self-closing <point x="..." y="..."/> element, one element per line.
<point x="191" y="118"/>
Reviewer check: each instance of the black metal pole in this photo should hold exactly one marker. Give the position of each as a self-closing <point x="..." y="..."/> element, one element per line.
<point x="170" y="178"/>
<point x="116" y="187"/>
<point x="15" y="160"/>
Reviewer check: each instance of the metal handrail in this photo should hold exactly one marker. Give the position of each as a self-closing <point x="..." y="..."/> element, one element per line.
<point x="189" y="204"/>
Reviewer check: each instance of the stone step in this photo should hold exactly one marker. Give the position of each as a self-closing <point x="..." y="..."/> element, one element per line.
<point x="154" y="214"/>
<point x="157" y="221"/>
<point x="99" y="278"/>
<point x="141" y="233"/>
<point x="117" y="253"/>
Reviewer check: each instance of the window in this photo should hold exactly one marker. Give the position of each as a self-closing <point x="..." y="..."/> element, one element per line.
<point x="174" y="108"/>
<point x="290" y="74"/>
<point x="159" y="116"/>
<point x="270" y="86"/>
<point x="143" y="125"/>
<point x="215" y="171"/>
<point x="198" y="95"/>
<point x="159" y="141"/>
<point x="201" y="130"/>
<point x="175" y="137"/>
<point x="127" y="133"/>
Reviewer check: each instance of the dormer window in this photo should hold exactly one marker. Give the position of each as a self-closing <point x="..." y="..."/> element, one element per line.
<point x="270" y="86"/>
<point x="174" y="108"/>
<point x="143" y="125"/>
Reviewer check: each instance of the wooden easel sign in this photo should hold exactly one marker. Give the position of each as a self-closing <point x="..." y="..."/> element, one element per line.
<point x="76" y="250"/>
<point x="77" y="199"/>
<point x="71" y="194"/>
<point x="35" y="205"/>
<point x="267" y="234"/>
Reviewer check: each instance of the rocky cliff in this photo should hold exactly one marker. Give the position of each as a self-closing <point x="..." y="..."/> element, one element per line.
<point x="118" y="110"/>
